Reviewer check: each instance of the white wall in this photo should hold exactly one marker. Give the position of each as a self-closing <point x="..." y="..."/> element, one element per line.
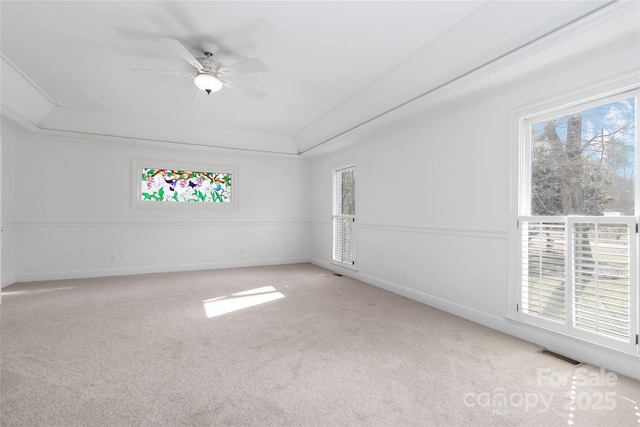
<point x="7" y="223"/>
<point x="1" y="274"/>
<point x="73" y="210"/>
<point x="433" y="200"/>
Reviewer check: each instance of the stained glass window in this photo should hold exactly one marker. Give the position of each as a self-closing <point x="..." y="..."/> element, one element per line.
<point x="169" y="185"/>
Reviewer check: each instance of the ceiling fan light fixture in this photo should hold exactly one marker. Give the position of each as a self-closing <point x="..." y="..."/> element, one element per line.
<point x="207" y="82"/>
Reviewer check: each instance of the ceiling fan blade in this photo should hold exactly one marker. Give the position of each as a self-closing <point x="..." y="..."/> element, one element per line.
<point x="249" y="91"/>
<point x="179" y="48"/>
<point x="253" y="65"/>
<point x="196" y="95"/>
<point x="174" y="73"/>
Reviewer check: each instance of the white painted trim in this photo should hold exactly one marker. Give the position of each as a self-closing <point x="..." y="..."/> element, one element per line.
<point x="345" y="164"/>
<point x="463" y="232"/>
<point x="478" y="232"/>
<point x="6" y="281"/>
<point x="19" y="118"/>
<point x="155" y="142"/>
<point x="320" y="223"/>
<point x="152" y="223"/>
<point x="547" y="41"/>
<point x="343" y="265"/>
<point x="28" y="80"/>
<point x="563" y="344"/>
<point x="601" y="89"/>
<point x="575" y="348"/>
<point x="81" y="274"/>
<point x="128" y="140"/>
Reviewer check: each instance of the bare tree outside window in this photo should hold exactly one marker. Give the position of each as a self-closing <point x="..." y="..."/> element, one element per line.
<point x="348" y="192"/>
<point x="583" y="163"/>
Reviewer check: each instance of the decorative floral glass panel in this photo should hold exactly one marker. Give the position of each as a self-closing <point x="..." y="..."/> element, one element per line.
<point x="185" y="186"/>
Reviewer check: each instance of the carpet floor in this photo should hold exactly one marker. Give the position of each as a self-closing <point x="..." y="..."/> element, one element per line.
<point x="290" y="345"/>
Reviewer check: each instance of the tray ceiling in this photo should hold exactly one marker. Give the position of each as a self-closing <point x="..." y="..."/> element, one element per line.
<point x="330" y="65"/>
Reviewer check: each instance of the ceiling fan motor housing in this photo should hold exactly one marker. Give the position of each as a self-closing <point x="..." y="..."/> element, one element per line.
<point x="209" y="49"/>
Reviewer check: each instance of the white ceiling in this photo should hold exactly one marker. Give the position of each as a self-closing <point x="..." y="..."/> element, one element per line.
<point x="331" y="65"/>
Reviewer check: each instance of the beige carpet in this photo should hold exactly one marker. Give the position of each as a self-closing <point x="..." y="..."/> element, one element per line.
<point x="322" y="350"/>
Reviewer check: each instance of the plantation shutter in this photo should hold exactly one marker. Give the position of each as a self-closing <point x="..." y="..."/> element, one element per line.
<point x="543" y="286"/>
<point x="343" y="238"/>
<point x="601" y="274"/>
<point x="581" y="273"/>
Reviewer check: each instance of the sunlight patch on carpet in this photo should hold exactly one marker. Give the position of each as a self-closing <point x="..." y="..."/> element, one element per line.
<point x="240" y="300"/>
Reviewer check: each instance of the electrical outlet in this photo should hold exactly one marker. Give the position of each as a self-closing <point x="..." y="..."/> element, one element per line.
<point x="113" y="257"/>
<point x="124" y="257"/>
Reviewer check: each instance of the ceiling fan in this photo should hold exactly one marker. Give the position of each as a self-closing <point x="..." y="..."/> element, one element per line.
<point x="210" y="75"/>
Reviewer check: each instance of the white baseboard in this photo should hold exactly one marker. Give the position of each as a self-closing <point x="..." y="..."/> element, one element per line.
<point x="6" y="281"/>
<point x="581" y="350"/>
<point x="575" y="348"/>
<point x="80" y="274"/>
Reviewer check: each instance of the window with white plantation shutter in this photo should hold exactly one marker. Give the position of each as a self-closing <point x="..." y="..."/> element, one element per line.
<point x="595" y="269"/>
<point x="543" y="269"/>
<point x="601" y="276"/>
<point x="344" y="209"/>
<point x="578" y="221"/>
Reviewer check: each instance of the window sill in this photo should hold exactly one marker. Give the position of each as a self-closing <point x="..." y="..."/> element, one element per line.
<point x="557" y="334"/>
<point x="345" y="266"/>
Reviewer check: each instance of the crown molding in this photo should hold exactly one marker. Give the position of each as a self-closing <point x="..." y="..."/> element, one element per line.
<point x="541" y="45"/>
<point x="18" y="118"/>
<point x="28" y="79"/>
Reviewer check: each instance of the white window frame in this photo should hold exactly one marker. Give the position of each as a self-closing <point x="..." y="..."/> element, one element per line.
<point x="336" y="202"/>
<point x="520" y="173"/>
<point x="137" y="165"/>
